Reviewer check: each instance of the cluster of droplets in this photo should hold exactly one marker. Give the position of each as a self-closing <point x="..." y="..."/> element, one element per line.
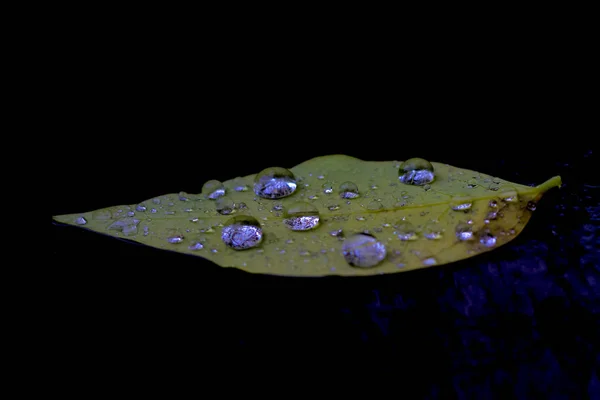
<point x="361" y="250"/>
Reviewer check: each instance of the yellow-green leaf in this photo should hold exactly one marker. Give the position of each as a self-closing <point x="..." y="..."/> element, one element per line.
<point x="338" y="216"/>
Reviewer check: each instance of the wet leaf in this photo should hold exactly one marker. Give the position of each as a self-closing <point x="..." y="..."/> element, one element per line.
<point x="332" y="215"/>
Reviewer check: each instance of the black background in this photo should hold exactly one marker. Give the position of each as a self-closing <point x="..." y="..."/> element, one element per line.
<point x="518" y="322"/>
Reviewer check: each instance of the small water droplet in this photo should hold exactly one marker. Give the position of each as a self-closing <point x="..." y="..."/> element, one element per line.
<point x="433" y="230"/>
<point x="274" y="183"/>
<point x="487" y="239"/>
<point x="169" y="212"/>
<point x="493" y="204"/>
<point x="183" y="196"/>
<point x="492" y="215"/>
<point x="405" y="231"/>
<point x="363" y="251"/>
<point x="416" y="171"/>
<point x="156" y="200"/>
<point x="374" y="205"/>
<point x="427" y="187"/>
<point x="333" y="207"/>
<point x="461" y="203"/>
<point x="320" y="177"/>
<point x="531" y="206"/>
<point x="313" y="197"/>
<point x="464" y="231"/>
<point x="241" y="205"/>
<point x="146" y="230"/>
<point x="140" y="207"/>
<point x="196" y="246"/>
<point x="224" y="206"/>
<point x="301" y="216"/>
<point x="175" y="239"/>
<point x="472" y="183"/>
<point x="213" y="189"/>
<point x="349" y="190"/>
<point x="81" y="221"/>
<point x="430" y="261"/>
<point x="337" y="233"/>
<point x="214" y="251"/>
<point x="509" y="195"/>
<point x="194" y="219"/>
<point x="130" y="213"/>
<point x="289" y="241"/>
<point x="328" y="188"/>
<point x="242" y="232"/>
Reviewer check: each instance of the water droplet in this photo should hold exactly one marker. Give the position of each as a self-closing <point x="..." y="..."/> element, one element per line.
<point x="531" y="206"/>
<point x="240" y="206"/>
<point x="130" y="213"/>
<point x="169" y="212"/>
<point x="461" y="203"/>
<point x="153" y="211"/>
<point x="405" y="231"/>
<point x="196" y="246"/>
<point x="126" y="225"/>
<point x="213" y="189"/>
<point x="274" y="183"/>
<point x="488" y="240"/>
<point x="81" y="221"/>
<point x="430" y="261"/>
<point x="320" y="177"/>
<point x="242" y="232"/>
<point x="140" y="207"/>
<point x="301" y="216"/>
<point x="509" y="195"/>
<point x="224" y="206"/>
<point x="492" y="215"/>
<point x="328" y="188"/>
<point x="239" y="185"/>
<point x="433" y="230"/>
<point x="464" y="231"/>
<point x="374" y="205"/>
<point x="416" y="171"/>
<point x="313" y="197"/>
<point x="183" y="196"/>
<point x="493" y="204"/>
<point x="348" y="190"/>
<point x="146" y="230"/>
<point x="175" y="239"/>
<point x="156" y="200"/>
<point x="472" y="183"/>
<point x="363" y="250"/>
<point x="333" y="207"/>
<point x="194" y="219"/>
<point x="427" y="187"/>
<point x="337" y="233"/>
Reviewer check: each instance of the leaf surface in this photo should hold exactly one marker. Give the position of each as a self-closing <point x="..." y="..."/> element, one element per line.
<point x="460" y="214"/>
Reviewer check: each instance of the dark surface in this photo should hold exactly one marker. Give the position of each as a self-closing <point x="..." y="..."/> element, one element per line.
<point x="519" y="322"/>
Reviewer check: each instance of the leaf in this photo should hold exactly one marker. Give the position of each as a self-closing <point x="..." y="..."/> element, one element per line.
<point x="460" y="214"/>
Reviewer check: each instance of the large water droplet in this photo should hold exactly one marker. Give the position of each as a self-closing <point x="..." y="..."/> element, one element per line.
<point x="224" y="206"/>
<point x="405" y="231"/>
<point x="274" y="183"/>
<point x="433" y="230"/>
<point x="126" y="225"/>
<point x="487" y="239"/>
<point x="242" y="232"/>
<point x="363" y="250"/>
<point x="81" y="221"/>
<point x="349" y="190"/>
<point x="301" y="216"/>
<point x="213" y="189"/>
<point x="416" y="171"/>
<point x="464" y="231"/>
